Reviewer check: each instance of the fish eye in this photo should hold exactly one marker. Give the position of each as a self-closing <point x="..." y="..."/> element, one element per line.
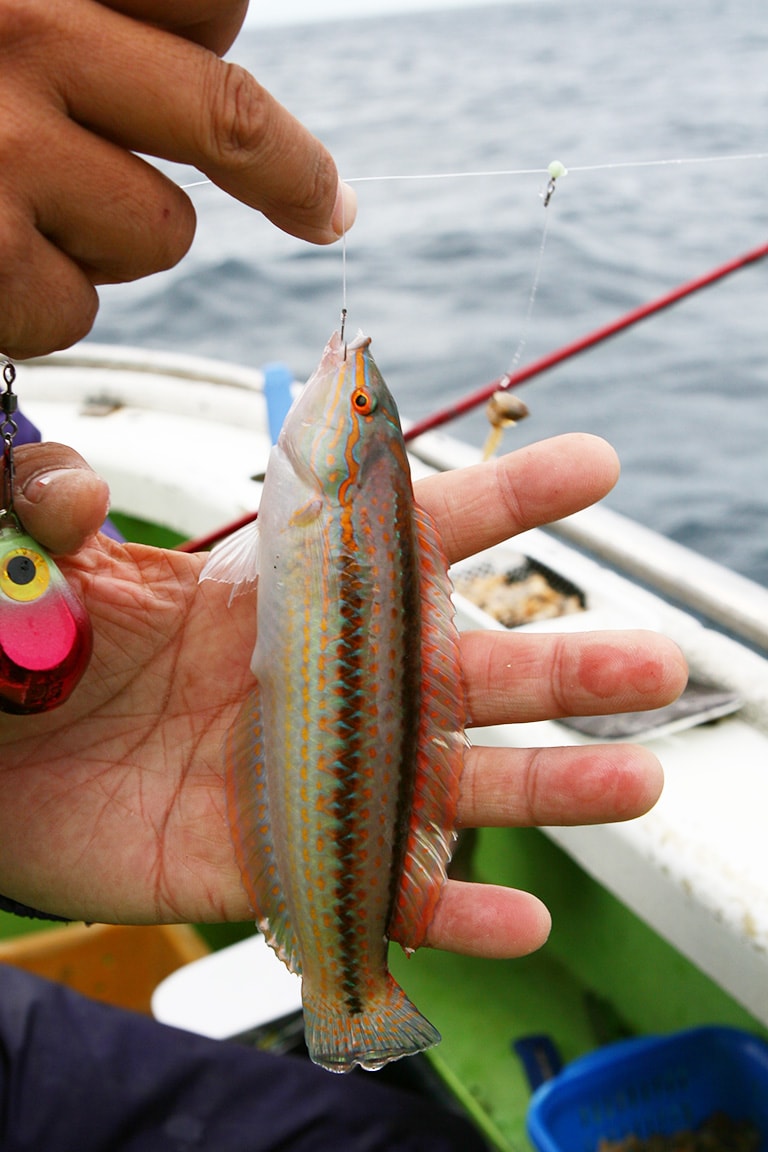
<point x="363" y="402"/>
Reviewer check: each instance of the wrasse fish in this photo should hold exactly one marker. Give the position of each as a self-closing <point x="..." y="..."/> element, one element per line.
<point x="343" y="769"/>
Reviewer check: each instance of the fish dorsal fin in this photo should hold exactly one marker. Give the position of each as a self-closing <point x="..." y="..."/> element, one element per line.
<point x="235" y="560"/>
<point x="250" y="825"/>
<point x="441" y="747"/>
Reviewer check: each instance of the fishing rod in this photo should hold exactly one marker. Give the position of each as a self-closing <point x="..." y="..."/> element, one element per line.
<point x="535" y="368"/>
<point x="568" y="351"/>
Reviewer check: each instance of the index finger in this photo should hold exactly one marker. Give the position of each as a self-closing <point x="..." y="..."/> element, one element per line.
<point x="157" y="93"/>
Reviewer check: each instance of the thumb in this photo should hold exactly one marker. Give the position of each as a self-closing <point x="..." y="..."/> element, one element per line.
<point x="58" y="498"/>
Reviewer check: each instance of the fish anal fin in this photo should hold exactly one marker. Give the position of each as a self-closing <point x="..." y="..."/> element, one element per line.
<point x="388" y="1027"/>
<point x="442" y="744"/>
<point x="250" y="826"/>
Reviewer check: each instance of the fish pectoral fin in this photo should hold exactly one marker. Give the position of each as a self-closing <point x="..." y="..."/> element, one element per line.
<point x="235" y="560"/>
<point x="308" y="513"/>
<point x="251" y="829"/>
<point x="387" y="1028"/>
<point x="442" y="744"/>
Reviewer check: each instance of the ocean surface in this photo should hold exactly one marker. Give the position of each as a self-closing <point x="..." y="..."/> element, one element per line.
<point x="440" y="272"/>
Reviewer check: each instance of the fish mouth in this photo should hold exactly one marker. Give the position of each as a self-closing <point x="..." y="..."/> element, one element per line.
<point x="311" y="412"/>
<point x="360" y="341"/>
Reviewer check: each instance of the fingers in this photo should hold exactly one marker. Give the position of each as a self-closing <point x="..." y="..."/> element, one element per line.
<point x="212" y="23"/>
<point x="103" y="216"/>
<point x="503" y="787"/>
<point x="478" y="507"/>
<point x="523" y="676"/>
<point x="83" y="87"/>
<point x="489" y="921"/>
<point x="33" y="321"/>
<point x="595" y="784"/>
<point x="59" y="499"/>
<point x="156" y="93"/>
<point x="117" y="217"/>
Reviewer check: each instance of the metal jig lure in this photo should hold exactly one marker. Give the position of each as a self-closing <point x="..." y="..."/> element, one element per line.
<point x="45" y="632"/>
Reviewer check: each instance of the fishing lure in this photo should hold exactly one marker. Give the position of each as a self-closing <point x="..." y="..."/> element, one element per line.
<point x="343" y="769"/>
<point x="45" y="632"/>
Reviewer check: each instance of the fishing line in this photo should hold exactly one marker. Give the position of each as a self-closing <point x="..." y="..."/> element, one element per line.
<point x="523" y="338"/>
<point x="543" y="364"/>
<point x="498" y="172"/>
<point x="520" y="376"/>
<point x="343" y="323"/>
<point x="555" y="170"/>
<point x="577" y="168"/>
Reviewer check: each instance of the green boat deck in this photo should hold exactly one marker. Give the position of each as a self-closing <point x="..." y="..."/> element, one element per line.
<point x="602" y="975"/>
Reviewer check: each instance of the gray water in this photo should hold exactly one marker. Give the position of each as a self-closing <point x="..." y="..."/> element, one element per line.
<point x="440" y="272"/>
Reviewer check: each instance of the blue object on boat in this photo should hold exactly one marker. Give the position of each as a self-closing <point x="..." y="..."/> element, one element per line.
<point x="278" y="379"/>
<point x="653" y="1084"/>
<point x="540" y="1058"/>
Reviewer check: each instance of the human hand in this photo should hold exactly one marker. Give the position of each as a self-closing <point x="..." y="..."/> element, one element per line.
<point x="112" y="807"/>
<point x="83" y="86"/>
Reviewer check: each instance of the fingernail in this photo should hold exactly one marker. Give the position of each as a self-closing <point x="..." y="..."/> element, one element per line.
<point x="345" y="209"/>
<point x="35" y="488"/>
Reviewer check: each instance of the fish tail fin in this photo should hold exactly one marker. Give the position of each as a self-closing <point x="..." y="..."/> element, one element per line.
<point x="388" y="1027"/>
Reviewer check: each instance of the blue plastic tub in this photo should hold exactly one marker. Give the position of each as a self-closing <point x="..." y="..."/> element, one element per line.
<point x="657" y="1084"/>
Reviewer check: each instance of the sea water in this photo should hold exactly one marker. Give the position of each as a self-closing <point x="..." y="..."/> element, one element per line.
<point x="439" y="271"/>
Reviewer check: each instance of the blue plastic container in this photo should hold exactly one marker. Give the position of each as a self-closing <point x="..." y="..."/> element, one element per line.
<point x="657" y="1084"/>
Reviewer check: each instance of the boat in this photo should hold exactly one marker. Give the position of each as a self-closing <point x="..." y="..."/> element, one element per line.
<point x="660" y="924"/>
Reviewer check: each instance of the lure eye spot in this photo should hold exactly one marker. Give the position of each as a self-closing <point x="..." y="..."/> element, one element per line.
<point x="21" y="570"/>
<point x="363" y="402"/>
<point x="24" y="575"/>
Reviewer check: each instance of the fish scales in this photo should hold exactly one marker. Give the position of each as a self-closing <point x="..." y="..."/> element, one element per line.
<point x="342" y="785"/>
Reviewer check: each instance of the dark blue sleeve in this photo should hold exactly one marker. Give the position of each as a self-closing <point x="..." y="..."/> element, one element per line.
<point x="77" y="1074"/>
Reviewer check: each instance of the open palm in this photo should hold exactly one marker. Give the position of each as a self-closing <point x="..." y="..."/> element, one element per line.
<point x="112" y="807"/>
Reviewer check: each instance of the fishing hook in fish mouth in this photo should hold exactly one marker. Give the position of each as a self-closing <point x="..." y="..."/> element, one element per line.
<point x="342" y="326"/>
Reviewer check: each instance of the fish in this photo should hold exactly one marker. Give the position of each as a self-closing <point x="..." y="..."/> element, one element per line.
<point x="343" y="769"/>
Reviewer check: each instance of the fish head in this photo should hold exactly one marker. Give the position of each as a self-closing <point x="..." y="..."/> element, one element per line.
<point x="343" y="422"/>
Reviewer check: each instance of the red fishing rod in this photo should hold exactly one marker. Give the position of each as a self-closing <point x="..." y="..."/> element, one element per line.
<point x="535" y="368"/>
<point x="568" y="351"/>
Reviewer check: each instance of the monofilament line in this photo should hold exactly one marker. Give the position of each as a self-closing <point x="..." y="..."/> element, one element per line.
<point x="556" y="171"/>
<point x="343" y="324"/>
<point x="531" y="296"/>
<point x="669" y="162"/>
